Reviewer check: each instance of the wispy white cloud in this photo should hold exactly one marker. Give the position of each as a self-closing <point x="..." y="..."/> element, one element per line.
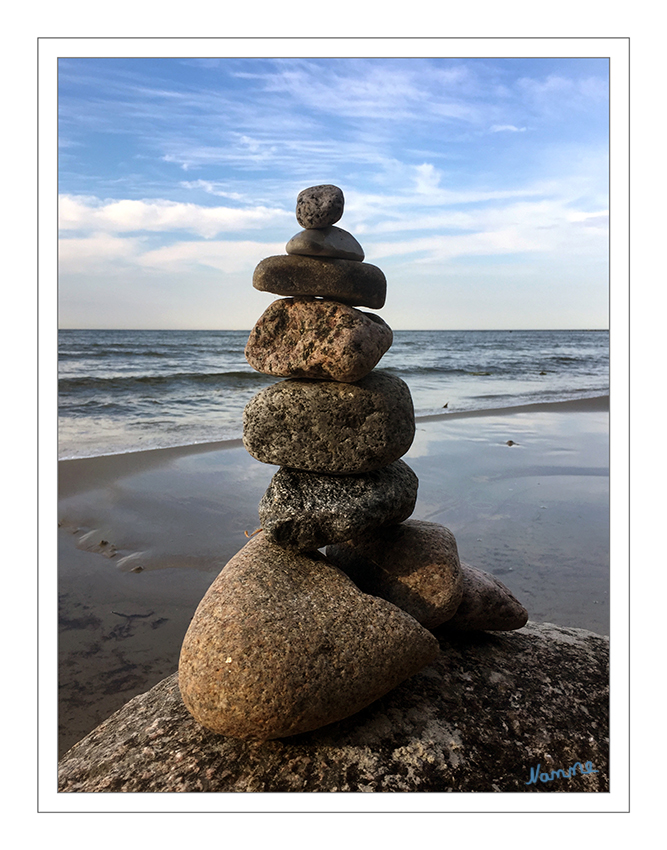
<point x="126" y="216"/>
<point x="212" y="187"/>
<point x="225" y="256"/>
<point x="507" y="128"/>
<point x="547" y="227"/>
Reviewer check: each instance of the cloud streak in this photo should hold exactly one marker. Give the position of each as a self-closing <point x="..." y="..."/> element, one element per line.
<point x="161" y="216"/>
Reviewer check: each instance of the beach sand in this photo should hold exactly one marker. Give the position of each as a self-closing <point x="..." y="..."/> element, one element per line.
<point x="142" y="536"/>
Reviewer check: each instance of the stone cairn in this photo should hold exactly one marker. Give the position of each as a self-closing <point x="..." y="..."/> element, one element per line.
<point x="287" y="640"/>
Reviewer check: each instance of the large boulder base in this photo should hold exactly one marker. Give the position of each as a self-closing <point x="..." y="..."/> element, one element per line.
<point x="487" y="713"/>
<point x="308" y="510"/>
<point x="348" y="281"/>
<point x="331" y="426"/>
<point x="283" y="643"/>
<point x="311" y="338"/>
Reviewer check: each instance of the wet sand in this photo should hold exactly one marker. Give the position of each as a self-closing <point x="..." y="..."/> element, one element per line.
<point x="142" y="535"/>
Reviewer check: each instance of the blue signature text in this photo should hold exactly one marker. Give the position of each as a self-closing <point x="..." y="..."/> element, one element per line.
<point x="561" y="774"/>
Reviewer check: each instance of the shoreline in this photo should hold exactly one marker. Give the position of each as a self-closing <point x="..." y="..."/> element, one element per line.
<point x="142" y="535"/>
<point x="571" y="405"/>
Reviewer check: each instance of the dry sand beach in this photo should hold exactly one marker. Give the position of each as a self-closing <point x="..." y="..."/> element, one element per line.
<point x="143" y="534"/>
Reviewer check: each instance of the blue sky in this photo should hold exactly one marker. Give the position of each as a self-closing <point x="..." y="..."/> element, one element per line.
<point x="479" y="186"/>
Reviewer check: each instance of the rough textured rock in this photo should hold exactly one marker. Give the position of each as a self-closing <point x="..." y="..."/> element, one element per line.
<point x="486" y="604"/>
<point x="331" y="426"/>
<point x="348" y="281"/>
<point x="307" y="510"/>
<point x="327" y="242"/>
<point x="310" y="338"/>
<point x="283" y="643"/>
<point x="415" y="565"/>
<point x="489" y="711"/>
<point x="319" y="206"/>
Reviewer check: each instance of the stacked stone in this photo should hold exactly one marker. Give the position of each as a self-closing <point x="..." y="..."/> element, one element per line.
<point x="287" y="640"/>
<point x="336" y="428"/>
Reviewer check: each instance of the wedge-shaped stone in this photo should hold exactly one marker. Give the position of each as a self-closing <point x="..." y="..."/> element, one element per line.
<point x="348" y="281"/>
<point x="414" y="565"/>
<point x="326" y="242"/>
<point x="486" y="604"/>
<point x="331" y="426"/>
<point x="309" y="338"/>
<point x="284" y="643"/>
<point x="308" y="510"/>
<point x="319" y="206"/>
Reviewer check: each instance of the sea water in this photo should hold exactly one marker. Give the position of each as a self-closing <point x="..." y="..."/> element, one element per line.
<point x="130" y="390"/>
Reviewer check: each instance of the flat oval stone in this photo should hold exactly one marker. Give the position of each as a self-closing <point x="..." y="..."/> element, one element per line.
<point x="284" y="643"/>
<point x="326" y="242"/>
<point x="331" y="426"/>
<point x="415" y="565"/>
<point x="348" y="281"/>
<point x="486" y="605"/>
<point x="310" y="338"/>
<point x="319" y="206"/>
<point x="307" y="510"/>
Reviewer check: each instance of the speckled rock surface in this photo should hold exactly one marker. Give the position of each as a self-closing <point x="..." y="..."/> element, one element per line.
<point x="331" y="426"/>
<point x="486" y="604"/>
<point x="308" y="510"/>
<point x="319" y="206"/>
<point x="326" y="242"/>
<point x="283" y="643"/>
<point x="310" y="338"/>
<point x="415" y="565"/>
<point x="489" y="710"/>
<point x="348" y="281"/>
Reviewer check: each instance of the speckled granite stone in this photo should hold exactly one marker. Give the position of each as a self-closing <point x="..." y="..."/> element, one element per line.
<point x="415" y="565"/>
<point x="486" y="604"/>
<point x="326" y="242"/>
<point x="319" y="206"/>
<point x="482" y="717"/>
<point x="283" y="643"/>
<point x="331" y="426"/>
<point x="309" y="338"/>
<point x="347" y="281"/>
<point x="308" y="510"/>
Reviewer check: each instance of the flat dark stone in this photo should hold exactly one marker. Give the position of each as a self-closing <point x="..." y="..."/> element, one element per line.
<point x="347" y="281"/>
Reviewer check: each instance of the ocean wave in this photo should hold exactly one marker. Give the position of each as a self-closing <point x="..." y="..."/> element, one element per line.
<point x="132" y="382"/>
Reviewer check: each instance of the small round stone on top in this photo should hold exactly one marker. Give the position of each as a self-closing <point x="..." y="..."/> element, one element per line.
<point x="319" y="206"/>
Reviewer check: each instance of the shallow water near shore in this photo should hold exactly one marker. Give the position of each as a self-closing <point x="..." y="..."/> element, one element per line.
<point x="142" y="536"/>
